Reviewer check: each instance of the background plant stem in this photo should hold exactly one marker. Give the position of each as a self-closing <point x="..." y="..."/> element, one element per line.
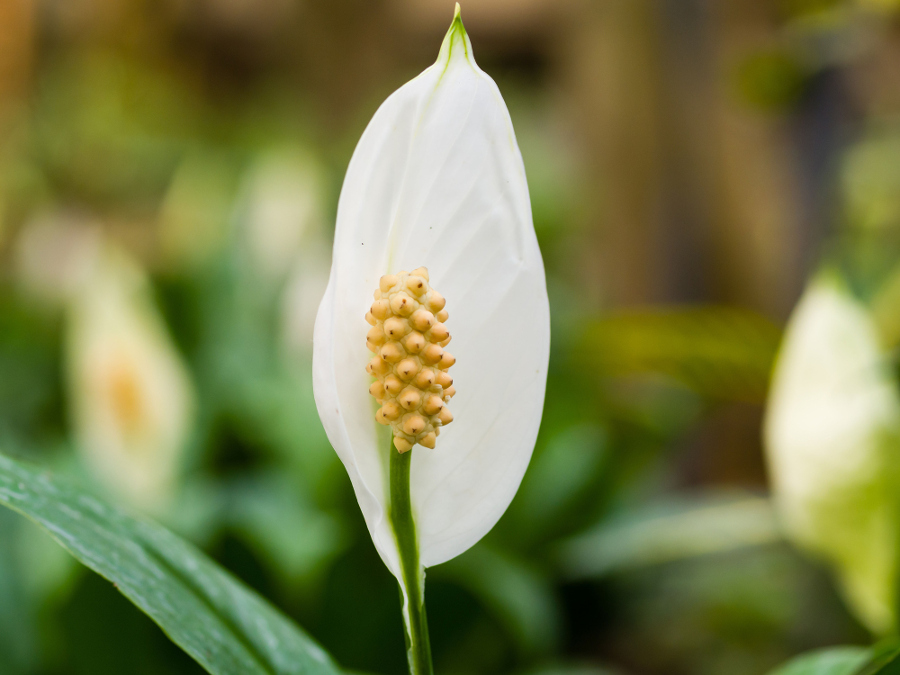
<point x="417" y="643"/>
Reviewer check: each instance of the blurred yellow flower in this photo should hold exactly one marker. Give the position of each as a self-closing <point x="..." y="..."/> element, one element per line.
<point x="130" y="395"/>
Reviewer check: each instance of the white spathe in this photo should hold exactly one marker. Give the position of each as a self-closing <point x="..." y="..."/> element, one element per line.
<point x="437" y="180"/>
<point x="131" y="397"/>
<point x="832" y="434"/>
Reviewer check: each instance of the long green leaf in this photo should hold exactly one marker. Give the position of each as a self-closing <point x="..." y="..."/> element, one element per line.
<point x="222" y="624"/>
<point x="886" y="661"/>
<point x="831" y="661"/>
<point x="674" y="529"/>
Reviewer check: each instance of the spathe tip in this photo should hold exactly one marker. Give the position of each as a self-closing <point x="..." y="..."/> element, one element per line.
<point x="456" y="33"/>
<point x="457" y="23"/>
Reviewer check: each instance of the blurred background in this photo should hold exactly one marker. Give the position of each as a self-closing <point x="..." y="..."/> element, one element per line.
<point x="169" y="174"/>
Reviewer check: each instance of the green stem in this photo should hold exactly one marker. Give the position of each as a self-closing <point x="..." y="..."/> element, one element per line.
<point x="417" y="644"/>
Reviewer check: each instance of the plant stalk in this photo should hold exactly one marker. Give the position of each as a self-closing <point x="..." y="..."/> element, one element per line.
<point x="418" y="646"/>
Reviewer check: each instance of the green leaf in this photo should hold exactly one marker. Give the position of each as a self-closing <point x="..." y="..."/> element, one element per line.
<point x="571" y="670"/>
<point x="719" y="352"/>
<point x="17" y="609"/>
<point x="520" y="596"/>
<point x="831" y="661"/>
<point x="886" y="661"/>
<point x="674" y="529"/>
<point x="222" y="624"/>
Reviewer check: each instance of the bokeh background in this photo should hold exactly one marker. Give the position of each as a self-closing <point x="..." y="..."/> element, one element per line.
<point x="169" y="174"/>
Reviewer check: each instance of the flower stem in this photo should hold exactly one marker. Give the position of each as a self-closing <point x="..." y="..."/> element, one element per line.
<point x="418" y="646"/>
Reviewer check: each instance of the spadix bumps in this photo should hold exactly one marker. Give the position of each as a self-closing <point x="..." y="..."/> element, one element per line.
<point x="410" y="365"/>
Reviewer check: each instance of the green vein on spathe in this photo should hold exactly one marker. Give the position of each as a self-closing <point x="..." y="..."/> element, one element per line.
<point x="222" y="624"/>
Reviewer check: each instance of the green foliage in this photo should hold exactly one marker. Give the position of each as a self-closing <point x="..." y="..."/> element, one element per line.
<point x="670" y="530"/>
<point x="218" y="621"/>
<point x="885" y="661"/>
<point x="151" y="130"/>
<point x="16" y="638"/>
<point x="720" y="352"/>
<point x="770" y="80"/>
<point x="832" y="661"/>
<point x="519" y="595"/>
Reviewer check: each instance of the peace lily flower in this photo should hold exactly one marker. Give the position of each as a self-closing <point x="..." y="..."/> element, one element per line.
<point x="832" y="436"/>
<point x="434" y="218"/>
<point x="130" y="395"/>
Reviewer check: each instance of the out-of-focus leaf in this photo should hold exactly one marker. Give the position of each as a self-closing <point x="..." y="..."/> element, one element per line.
<point x="558" y="482"/>
<point x="28" y="360"/>
<point x="831" y="661"/>
<point x="884" y="309"/>
<point x="885" y="661"/>
<point x="871" y="181"/>
<point x="224" y="626"/>
<point x="16" y="610"/>
<point x="195" y="212"/>
<point x="770" y="80"/>
<point x="561" y="669"/>
<point x="266" y="510"/>
<point x="517" y="594"/>
<point x="720" y="352"/>
<point x="110" y="128"/>
<point x="668" y="531"/>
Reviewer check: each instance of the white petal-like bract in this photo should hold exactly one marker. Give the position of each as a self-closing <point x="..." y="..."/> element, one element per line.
<point x="437" y="180"/>
<point x="833" y="445"/>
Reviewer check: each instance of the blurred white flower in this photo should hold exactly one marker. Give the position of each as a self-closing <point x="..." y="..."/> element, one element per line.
<point x="832" y="435"/>
<point x="282" y="208"/>
<point x="284" y="226"/>
<point x="130" y="395"/>
<point x="437" y="181"/>
<point x="302" y="293"/>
